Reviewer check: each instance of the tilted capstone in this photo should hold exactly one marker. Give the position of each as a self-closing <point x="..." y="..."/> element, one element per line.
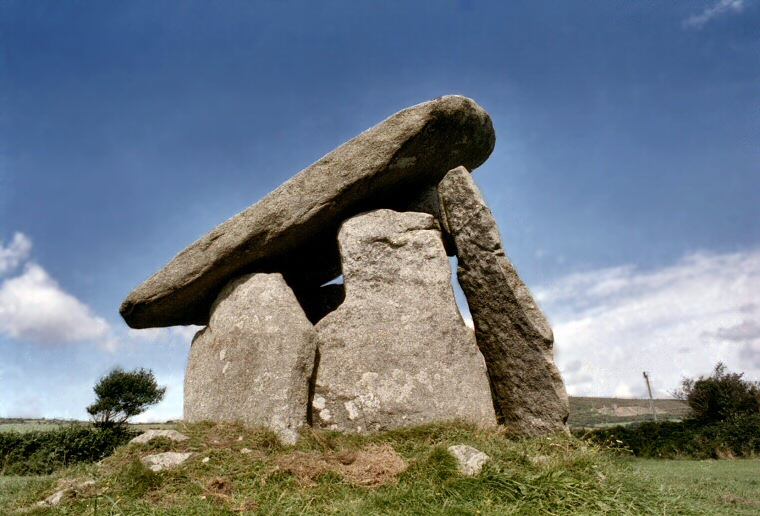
<point x="293" y="229"/>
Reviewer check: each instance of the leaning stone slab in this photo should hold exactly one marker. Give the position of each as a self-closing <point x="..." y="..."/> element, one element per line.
<point x="511" y="331"/>
<point x="253" y="362"/>
<point x="382" y="166"/>
<point x="396" y="353"/>
<point x="470" y="460"/>
<point x="152" y="434"/>
<point x="166" y="460"/>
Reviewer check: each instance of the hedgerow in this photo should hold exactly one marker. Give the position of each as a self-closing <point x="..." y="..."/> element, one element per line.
<point x="737" y="436"/>
<point x="38" y="453"/>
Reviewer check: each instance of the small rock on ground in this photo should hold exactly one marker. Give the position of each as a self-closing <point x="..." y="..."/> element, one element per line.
<point x="55" y="498"/>
<point x="152" y="434"/>
<point x="165" y="460"/>
<point x="470" y="460"/>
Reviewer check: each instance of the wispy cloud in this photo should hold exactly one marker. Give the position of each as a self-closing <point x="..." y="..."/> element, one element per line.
<point x="722" y="7"/>
<point x="15" y="253"/>
<point x="676" y="321"/>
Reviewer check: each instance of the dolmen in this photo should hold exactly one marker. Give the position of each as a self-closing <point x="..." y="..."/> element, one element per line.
<point x="285" y="345"/>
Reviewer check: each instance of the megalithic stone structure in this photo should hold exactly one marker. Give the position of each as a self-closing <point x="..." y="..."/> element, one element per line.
<point x="285" y="346"/>
<point x="379" y="168"/>
<point x="512" y="333"/>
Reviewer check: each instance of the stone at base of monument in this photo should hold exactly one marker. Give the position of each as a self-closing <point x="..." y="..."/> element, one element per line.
<point x="254" y="360"/>
<point x="512" y="333"/>
<point x="396" y="352"/>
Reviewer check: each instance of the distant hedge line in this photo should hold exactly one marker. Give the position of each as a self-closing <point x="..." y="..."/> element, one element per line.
<point x="738" y="436"/>
<point x="42" y="452"/>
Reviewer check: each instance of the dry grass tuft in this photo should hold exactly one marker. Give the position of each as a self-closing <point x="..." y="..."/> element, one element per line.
<point x="374" y="466"/>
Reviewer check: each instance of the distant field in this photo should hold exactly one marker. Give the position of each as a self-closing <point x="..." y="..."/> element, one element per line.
<point x="599" y="412"/>
<point x="584" y="413"/>
<point x="34" y="425"/>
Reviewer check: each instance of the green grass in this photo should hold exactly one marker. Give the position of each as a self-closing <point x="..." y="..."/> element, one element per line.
<point x="15" y="491"/>
<point x="554" y="475"/>
<point x="557" y="475"/>
<point x="705" y="487"/>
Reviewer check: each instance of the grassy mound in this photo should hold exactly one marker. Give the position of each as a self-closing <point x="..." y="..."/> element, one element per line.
<point x="236" y="470"/>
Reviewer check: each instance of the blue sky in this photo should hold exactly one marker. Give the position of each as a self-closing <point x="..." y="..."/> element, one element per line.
<point x="625" y="179"/>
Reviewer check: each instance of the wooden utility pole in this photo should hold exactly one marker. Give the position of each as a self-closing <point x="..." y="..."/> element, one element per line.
<point x="651" y="400"/>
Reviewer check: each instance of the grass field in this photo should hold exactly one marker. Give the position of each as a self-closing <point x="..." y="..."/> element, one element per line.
<point x="245" y="471"/>
<point x="237" y="470"/>
<point x="41" y="425"/>
<point x="31" y="425"/>
<point x="705" y="486"/>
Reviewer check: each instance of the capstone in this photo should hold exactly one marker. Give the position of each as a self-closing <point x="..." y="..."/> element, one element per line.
<point x="292" y="230"/>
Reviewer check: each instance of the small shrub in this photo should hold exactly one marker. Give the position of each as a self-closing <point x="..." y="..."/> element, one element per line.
<point x="121" y="395"/>
<point x="720" y="396"/>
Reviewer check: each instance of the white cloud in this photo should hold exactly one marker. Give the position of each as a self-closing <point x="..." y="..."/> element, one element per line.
<point x="697" y="21"/>
<point x="15" y="253"/>
<point x="33" y="307"/>
<point x="612" y="324"/>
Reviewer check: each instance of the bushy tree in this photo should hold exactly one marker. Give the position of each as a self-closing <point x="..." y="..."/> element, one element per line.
<point x="720" y="396"/>
<point x="123" y="394"/>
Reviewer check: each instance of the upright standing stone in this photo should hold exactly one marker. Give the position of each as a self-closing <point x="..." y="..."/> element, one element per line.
<point x="511" y="331"/>
<point x="254" y="360"/>
<point x="383" y="166"/>
<point x="396" y="352"/>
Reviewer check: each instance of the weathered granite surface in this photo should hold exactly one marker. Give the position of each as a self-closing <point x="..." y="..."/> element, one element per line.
<point x="254" y="360"/>
<point x="396" y="352"/>
<point x="512" y="333"/>
<point x="292" y="230"/>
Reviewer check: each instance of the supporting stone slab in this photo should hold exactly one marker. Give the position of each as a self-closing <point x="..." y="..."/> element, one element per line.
<point x="397" y="353"/>
<point x="512" y="333"/>
<point x="254" y="360"/>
